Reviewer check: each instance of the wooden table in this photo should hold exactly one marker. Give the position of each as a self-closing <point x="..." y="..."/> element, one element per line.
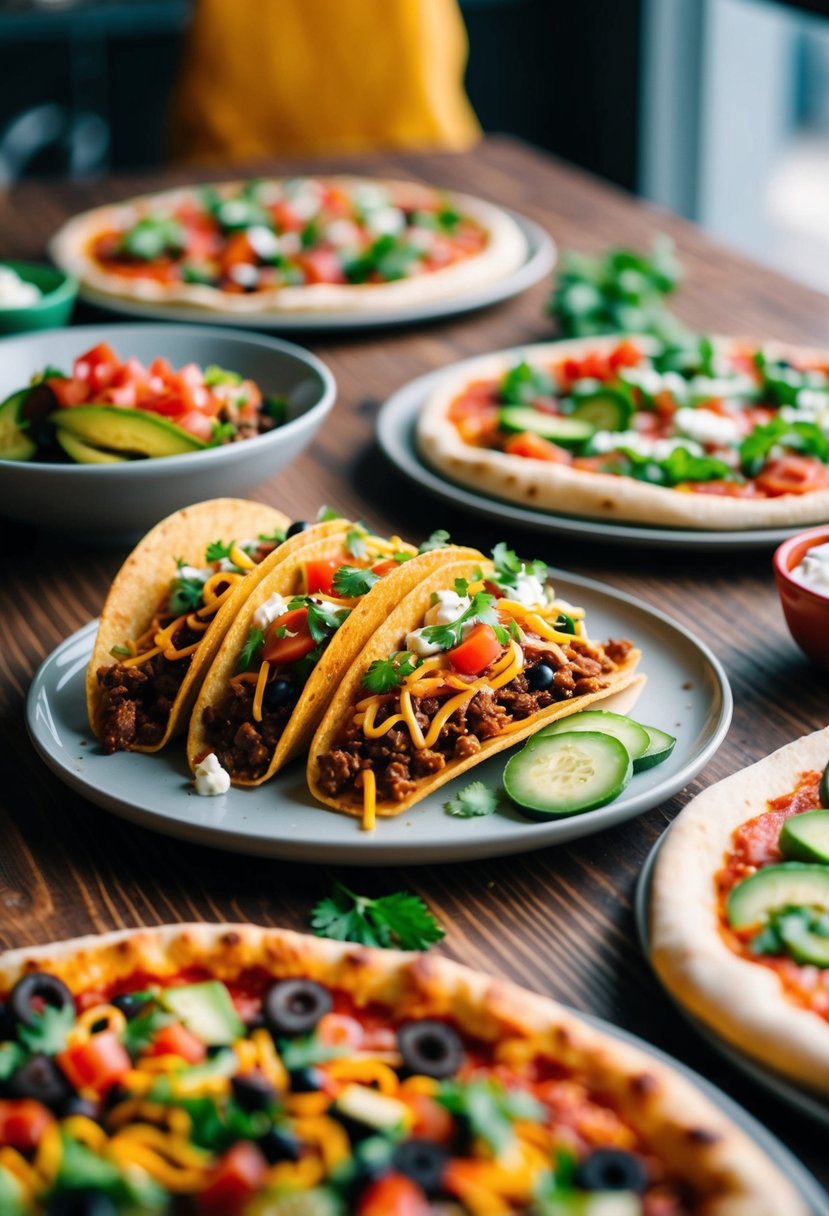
<point x="559" y="920"/>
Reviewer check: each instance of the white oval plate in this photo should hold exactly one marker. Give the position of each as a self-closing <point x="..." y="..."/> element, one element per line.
<point x="396" y="436"/>
<point x="539" y="261"/>
<point x="686" y="693"/>
<point x="808" y="1104"/>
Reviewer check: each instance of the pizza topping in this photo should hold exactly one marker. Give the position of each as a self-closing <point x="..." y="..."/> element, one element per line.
<point x="296" y="1006"/>
<point x="689" y="415"/>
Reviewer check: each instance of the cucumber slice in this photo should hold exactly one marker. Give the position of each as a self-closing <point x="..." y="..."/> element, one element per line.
<point x="605" y="409"/>
<point x="561" y="430"/>
<point x="634" y="737"/>
<point x="568" y="773"/>
<point x="660" y="747"/>
<point x="806" y="837"/>
<point x="790" y="885"/>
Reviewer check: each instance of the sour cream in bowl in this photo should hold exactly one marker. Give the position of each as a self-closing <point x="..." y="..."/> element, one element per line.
<point x="801" y="570"/>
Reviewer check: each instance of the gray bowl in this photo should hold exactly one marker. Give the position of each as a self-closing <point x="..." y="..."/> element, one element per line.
<point x="100" y="503"/>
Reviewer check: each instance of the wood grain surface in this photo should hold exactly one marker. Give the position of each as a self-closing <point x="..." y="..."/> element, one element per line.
<point x="558" y="920"/>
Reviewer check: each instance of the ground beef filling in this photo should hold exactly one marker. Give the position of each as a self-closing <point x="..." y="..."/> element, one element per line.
<point x="244" y="747"/>
<point x="137" y="701"/>
<point x="398" y="765"/>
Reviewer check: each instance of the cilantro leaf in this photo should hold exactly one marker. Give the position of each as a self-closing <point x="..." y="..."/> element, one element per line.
<point x="474" y="799"/>
<point x="350" y="582"/>
<point x="151" y="237"/>
<point x="355" y="541"/>
<point x="490" y="1109"/>
<point x="480" y="607"/>
<point x="327" y="513"/>
<point x="437" y="540"/>
<point x="523" y="384"/>
<point x="508" y="565"/>
<point x="221" y="431"/>
<point x="48" y="1031"/>
<point x="12" y="1055"/>
<point x="323" y="620"/>
<point x="216" y="550"/>
<point x="140" y="1031"/>
<point x="399" y="920"/>
<point x="185" y="595"/>
<point x="249" y="652"/>
<point x="384" y="675"/>
<point x="275" y="538"/>
<point x="805" y="437"/>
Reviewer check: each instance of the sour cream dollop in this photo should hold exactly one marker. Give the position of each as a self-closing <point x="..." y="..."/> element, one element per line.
<point x="813" y="570"/>
<point x="211" y="778"/>
<point x="16" y="292"/>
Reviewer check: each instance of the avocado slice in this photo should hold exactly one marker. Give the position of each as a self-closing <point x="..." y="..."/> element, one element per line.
<point x="207" y="1010"/>
<point x="84" y="453"/>
<point x="790" y="885"/>
<point x="590" y="1203"/>
<point x="805" y="837"/>
<point x="805" y="937"/>
<point x="15" y="443"/>
<point x="135" y="431"/>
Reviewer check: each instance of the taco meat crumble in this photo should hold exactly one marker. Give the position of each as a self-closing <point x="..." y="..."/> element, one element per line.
<point x="398" y="764"/>
<point x="244" y="747"/>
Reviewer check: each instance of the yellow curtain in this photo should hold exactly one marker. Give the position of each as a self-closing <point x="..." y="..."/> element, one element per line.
<point x="281" y="77"/>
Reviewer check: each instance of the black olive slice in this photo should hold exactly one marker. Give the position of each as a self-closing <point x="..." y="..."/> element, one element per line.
<point x="295" y="1006"/>
<point x="131" y="1004"/>
<point x="279" y="693"/>
<point x="306" y="1080"/>
<point x="252" y="1091"/>
<point x="38" y="986"/>
<point x="41" y="1079"/>
<point x="429" y="1048"/>
<point x="539" y="677"/>
<point x="611" y="1169"/>
<point x="278" y="1144"/>
<point x="422" y="1161"/>
<point x="299" y="525"/>
<point x="84" y="1202"/>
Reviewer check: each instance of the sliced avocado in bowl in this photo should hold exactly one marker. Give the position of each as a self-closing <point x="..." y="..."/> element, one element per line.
<point x="84" y="453"/>
<point x="137" y="432"/>
<point x="15" y="442"/>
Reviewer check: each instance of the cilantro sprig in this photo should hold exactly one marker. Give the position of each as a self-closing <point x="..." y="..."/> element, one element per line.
<point x="508" y="566"/>
<point x="400" y="920"/>
<point x="323" y="620"/>
<point x="480" y="609"/>
<point x="473" y="800"/>
<point x="350" y="582"/>
<point x="48" y="1030"/>
<point x="250" y="650"/>
<point x="216" y="550"/>
<point x="185" y="594"/>
<point x="438" y="539"/>
<point x="355" y="541"/>
<point x="384" y="675"/>
<point x="140" y="1031"/>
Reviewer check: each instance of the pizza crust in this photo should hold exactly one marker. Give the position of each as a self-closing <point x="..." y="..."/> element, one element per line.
<point x="567" y="491"/>
<point x="692" y="1136"/>
<point x="505" y="251"/>
<point x="742" y="1001"/>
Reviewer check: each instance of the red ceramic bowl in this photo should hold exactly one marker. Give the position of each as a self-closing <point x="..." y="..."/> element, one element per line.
<point x="806" y="611"/>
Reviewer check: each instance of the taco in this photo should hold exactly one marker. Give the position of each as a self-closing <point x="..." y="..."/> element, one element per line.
<point x="475" y="658"/>
<point x="167" y="611"/>
<point x="291" y="645"/>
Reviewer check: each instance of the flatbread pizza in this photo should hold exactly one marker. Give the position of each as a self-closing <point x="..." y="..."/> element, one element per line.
<point x="740" y="910"/>
<point x="298" y="245"/>
<point x="244" y="1071"/>
<point x="712" y="434"/>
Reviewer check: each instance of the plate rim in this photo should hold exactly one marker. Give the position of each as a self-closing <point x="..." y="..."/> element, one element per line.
<point x="393" y="427"/>
<point x="542" y="253"/>
<point x="374" y="850"/>
<point x="809" y="1105"/>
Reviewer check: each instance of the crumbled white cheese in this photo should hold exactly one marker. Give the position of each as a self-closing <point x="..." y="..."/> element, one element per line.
<point x="528" y="590"/>
<point x="703" y="387"/>
<point x="385" y="221"/>
<point x="368" y="196"/>
<point x="643" y="445"/>
<point x="706" y="426"/>
<point x="235" y="211"/>
<point x="16" y="292"/>
<point x="263" y="242"/>
<point x="813" y="570"/>
<point x="211" y="778"/>
<point x="196" y="573"/>
<point x="646" y="378"/>
<point x="273" y="607"/>
<point x="447" y="608"/>
<point x="417" y="644"/>
<point x="290" y="243"/>
<point x="244" y="274"/>
<point x="343" y="233"/>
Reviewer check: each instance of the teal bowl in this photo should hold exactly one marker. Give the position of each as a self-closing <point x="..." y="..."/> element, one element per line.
<point x="53" y="309"/>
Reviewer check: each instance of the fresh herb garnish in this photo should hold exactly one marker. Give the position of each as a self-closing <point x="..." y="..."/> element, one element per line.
<point x="786" y="929"/>
<point x="678" y="467"/>
<point x="508" y="566"/>
<point x="250" y="650"/>
<point x="473" y="800"/>
<point x="48" y="1030"/>
<point x="355" y="541"/>
<point x="804" y="437"/>
<point x="323" y="620"/>
<point x="400" y="920"/>
<point x="327" y="513"/>
<point x="490" y="1109"/>
<point x="437" y="540"/>
<point x="481" y="609"/>
<point x="274" y="538"/>
<point x="140" y="1031"/>
<point x="153" y="236"/>
<point x="350" y="582"/>
<point x="185" y="595"/>
<point x="121" y="652"/>
<point x="524" y="383"/>
<point x="216" y="550"/>
<point x="221" y="431"/>
<point x="384" y="675"/>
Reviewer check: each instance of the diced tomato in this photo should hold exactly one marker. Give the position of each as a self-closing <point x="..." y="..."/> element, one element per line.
<point x="97" y="1064"/>
<point x="793" y="475"/>
<point x="626" y="354"/>
<point x="385" y="567"/>
<point x="393" y="1195"/>
<point x="285" y="218"/>
<point x="169" y="406"/>
<point x="238" y="251"/>
<point x="431" y="1120"/>
<point x="319" y="574"/>
<point x="97" y="366"/>
<point x="124" y="396"/>
<point x="177" y="1040"/>
<point x="162" y="368"/>
<point x="288" y="638"/>
<point x="536" y="448"/>
<point x="236" y="1179"/>
<point x="23" y="1123"/>
<point x="475" y="653"/>
<point x="68" y="391"/>
<point x="339" y="1030"/>
<point x="197" y="424"/>
<point x="321" y="266"/>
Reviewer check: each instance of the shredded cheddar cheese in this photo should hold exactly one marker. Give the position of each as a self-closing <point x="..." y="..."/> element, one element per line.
<point x="369" y="800"/>
<point x="261" y="681"/>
